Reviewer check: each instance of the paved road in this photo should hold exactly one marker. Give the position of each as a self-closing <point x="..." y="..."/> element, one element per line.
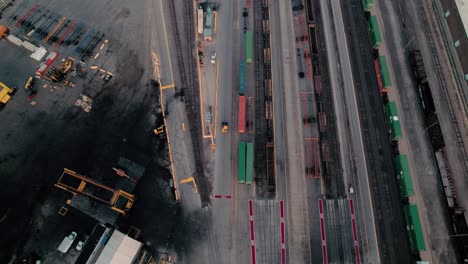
<point x="343" y="86"/>
<point x="287" y="111"/>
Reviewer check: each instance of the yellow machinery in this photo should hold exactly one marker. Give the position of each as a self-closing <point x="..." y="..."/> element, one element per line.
<point x="30" y="83"/>
<point x="5" y="93"/>
<point x="77" y="184"/>
<point x="59" y="74"/>
<point x="159" y="131"/>
<point x="224" y="127"/>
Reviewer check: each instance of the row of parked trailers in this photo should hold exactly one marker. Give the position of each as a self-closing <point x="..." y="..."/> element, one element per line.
<point x="413" y="223"/>
<point x="245" y="162"/>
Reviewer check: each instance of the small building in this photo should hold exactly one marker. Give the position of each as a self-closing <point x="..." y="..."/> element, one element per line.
<point x="120" y="249"/>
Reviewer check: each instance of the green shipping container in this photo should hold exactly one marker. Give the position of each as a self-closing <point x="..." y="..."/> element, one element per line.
<point x="250" y="162"/>
<point x="248" y="47"/>
<point x="241" y="162"/>
<point x="393" y="120"/>
<point x="384" y="73"/>
<point x="367" y="4"/>
<point x="413" y="227"/>
<point x="374" y="32"/>
<point x="404" y="176"/>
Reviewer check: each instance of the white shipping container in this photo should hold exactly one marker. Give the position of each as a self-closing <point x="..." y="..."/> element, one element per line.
<point x="15" y="40"/>
<point x="29" y="46"/>
<point x="39" y="54"/>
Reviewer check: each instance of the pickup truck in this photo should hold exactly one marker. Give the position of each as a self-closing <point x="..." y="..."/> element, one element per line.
<point x="67" y="242"/>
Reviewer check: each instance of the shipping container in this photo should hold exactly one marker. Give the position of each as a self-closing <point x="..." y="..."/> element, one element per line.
<point x="384" y="73"/>
<point x="413" y="227"/>
<point x="367" y="5"/>
<point x="241" y="115"/>
<point x="241" y="78"/>
<point x="29" y="46"/>
<point x="379" y="77"/>
<point x="404" y="175"/>
<point x="200" y="20"/>
<point x="249" y="163"/>
<point x="393" y="120"/>
<point x="248" y="47"/>
<point x="374" y="32"/>
<point x="241" y="162"/>
<point x="15" y="40"/>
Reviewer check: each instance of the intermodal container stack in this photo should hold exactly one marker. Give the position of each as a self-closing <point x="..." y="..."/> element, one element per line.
<point x="404" y="176"/>
<point x="384" y="73"/>
<point x="413" y="226"/>
<point x="241" y="115"/>
<point x="393" y="120"/>
<point x="367" y="4"/>
<point x="241" y="78"/>
<point x="248" y="47"/>
<point x="374" y="32"/>
<point x="249" y="163"/>
<point x="241" y="162"/>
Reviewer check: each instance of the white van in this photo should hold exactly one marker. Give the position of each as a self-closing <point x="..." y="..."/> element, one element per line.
<point x="67" y="242"/>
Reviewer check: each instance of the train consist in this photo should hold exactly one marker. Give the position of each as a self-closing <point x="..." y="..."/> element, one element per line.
<point x="459" y="225"/>
<point x="245" y="163"/>
<point x="413" y="223"/>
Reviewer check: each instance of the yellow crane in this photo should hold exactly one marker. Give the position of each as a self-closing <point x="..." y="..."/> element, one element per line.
<point x="59" y="73"/>
<point x="77" y="184"/>
<point x="5" y="94"/>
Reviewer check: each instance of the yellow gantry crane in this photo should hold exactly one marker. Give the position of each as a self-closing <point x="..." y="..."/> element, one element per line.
<point x="77" y="184"/>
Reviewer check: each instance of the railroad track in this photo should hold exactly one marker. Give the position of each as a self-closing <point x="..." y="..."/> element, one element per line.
<point x="333" y="168"/>
<point x="261" y="129"/>
<point x="189" y="92"/>
<point x="441" y="80"/>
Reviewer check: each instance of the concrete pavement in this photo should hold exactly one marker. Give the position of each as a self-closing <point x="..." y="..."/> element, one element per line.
<point x="287" y="95"/>
<point x="353" y="156"/>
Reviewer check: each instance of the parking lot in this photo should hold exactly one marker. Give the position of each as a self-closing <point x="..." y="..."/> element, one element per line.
<point x="42" y="134"/>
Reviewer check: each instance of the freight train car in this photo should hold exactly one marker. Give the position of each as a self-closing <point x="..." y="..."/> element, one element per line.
<point x="248" y="47"/>
<point x="241" y="114"/>
<point x="367" y="5"/>
<point x="413" y="226"/>
<point x="241" y="162"/>
<point x="384" y="73"/>
<point x="404" y="176"/>
<point x="241" y="78"/>
<point x="374" y="32"/>
<point x="393" y="120"/>
<point x="249" y="164"/>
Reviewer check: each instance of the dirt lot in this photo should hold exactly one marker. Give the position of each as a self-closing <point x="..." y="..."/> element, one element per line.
<point x="37" y="142"/>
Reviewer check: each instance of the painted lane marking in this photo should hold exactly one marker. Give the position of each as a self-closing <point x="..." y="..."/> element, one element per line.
<point x="252" y="232"/>
<point x="353" y="222"/>
<point x="283" y="243"/>
<point x="322" y="232"/>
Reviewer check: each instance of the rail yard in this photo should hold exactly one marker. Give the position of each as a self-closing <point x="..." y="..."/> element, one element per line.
<point x="243" y="131"/>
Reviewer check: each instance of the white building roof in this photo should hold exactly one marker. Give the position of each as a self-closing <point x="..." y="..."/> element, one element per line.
<point x="462" y="6"/>
<point x="120" y="249"/>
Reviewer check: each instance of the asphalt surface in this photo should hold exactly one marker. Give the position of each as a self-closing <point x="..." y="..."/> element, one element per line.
<point x="429" y="196"/>
<point x="288" y="102"/>
<point x="350" y="134"/>
<point x="37" y="142"/>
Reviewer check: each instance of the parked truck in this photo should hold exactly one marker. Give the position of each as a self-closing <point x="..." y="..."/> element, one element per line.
<point x="67" y="242"/>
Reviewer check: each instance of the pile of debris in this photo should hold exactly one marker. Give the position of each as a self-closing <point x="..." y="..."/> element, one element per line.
<point x="85" y="102"/>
